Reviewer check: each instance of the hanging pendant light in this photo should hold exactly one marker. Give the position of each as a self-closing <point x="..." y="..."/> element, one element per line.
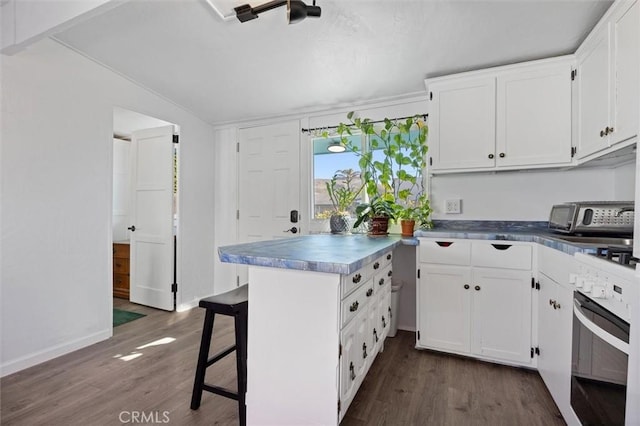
<point x="297" y="10"/>
<point x="336" y="147"/>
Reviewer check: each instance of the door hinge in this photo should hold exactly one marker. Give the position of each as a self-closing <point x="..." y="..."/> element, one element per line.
<point x="237" y="280"/>
<point x="418" y="273"/>
<point x="339" y="350"/>
<point x="431" y="161"/>
<point x="174" y="287"/>
<point x="574" y="150"/>
<point x="237" y="146"/>
<point x="532" y="352"/>
<point x="430" y="96"/>
<point x="537" y="350"/>
<point x="176" y="138"/>
<point x="338" y="406"/>
<point x="574" y="73"/>
<point x="535" y="285"/>
<point x="538" y="285"/>
<point x="418" y="334"/>
<point x="237" y="214"/>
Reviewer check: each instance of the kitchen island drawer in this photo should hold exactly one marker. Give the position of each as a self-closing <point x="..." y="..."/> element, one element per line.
<point x="501" y="254"/>
<point x="357" y="302"/>
<point x="445" y="251"/>
<point x="352" y="281"/>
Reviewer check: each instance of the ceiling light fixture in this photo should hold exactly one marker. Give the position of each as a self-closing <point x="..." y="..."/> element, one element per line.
<point x="336" y="146"/>
<point x="297" y="10"/>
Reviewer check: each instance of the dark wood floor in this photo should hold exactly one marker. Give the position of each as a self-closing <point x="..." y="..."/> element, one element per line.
<point x="137" y="370"/>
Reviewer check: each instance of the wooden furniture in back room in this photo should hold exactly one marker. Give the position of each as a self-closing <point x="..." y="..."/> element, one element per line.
<point x="121" y="270"/>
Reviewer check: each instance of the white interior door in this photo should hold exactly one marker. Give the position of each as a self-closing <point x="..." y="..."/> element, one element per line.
<point x="269" y="182"/>
<point x="151" y="267"/>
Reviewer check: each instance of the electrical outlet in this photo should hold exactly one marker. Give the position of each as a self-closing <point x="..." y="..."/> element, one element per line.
<point x="453" y="206"/>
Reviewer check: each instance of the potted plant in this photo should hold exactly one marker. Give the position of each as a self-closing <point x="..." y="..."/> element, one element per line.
<point x="377" y="212"/>
<point x="397" y="177"/>
<point x="414" y="213"/>
<point x="342" y="195"/>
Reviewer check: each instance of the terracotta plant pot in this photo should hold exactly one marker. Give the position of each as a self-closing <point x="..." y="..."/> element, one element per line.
<point x="407" y="227"/>
<point x="379" y="226"/>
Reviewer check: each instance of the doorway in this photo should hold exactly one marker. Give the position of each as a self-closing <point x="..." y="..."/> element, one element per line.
<point x="145" y="209"/>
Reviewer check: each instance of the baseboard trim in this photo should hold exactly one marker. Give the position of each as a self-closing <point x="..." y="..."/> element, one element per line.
<point x="187" y="306"/>
<point x="53" y="352"/>
<point x="407" y="328"/>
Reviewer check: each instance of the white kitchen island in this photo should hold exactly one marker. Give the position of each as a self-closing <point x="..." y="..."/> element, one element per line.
<point x="319" y="310"/>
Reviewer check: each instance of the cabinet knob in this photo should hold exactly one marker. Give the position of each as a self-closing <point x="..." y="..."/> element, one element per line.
<point x="610" y="129"/>
<point x="477" y="288"/>
<point x="352" y="371"/>
<point x="389" y="256"/>
<point x="354" y="306"/>
<point x="364" y="350"/>
<point x="357" y="278"/>
<point x="390" y="313"/>
<point x="384" y="321"/>
<point x="376" y="265"/>
<point x="602" y="133"/>
<point x="502" y="155"/>
<point x="381" y="282"/>
<point x="369" y="292"/>
<point x="491" y="156"/>
<point x="466" y="286"/>
<point x="389" y="273"/>
<point x="375" y="334"/>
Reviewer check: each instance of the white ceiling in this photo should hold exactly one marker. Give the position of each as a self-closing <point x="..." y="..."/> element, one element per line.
<point x="359" y="50"/>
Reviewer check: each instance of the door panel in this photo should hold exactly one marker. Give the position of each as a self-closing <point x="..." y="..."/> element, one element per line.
<point x="152" y="260"/>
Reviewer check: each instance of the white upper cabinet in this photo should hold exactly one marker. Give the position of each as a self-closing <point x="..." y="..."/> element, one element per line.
<point x="462" y="118"/>
<point x="512" y="117"/>
<point x="531" y="130"/>
<point x="607" y="74"/>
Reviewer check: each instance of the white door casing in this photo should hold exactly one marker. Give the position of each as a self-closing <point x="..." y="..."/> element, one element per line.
<point x="269" y="183"/>
<point x="152" y="260"/>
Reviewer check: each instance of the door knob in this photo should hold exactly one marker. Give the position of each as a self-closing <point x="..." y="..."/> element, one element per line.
<point x="132" y="228"/>
<point x="293" y="230"/>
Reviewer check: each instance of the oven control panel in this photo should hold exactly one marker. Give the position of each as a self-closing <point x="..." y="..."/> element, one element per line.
<point x="605" y="283"/>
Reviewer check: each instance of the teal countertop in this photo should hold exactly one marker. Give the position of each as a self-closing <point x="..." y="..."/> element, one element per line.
<point x="337" y="254"/>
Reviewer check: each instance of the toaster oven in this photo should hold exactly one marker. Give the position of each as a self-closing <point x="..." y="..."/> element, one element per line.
<point x="593" y="217"/>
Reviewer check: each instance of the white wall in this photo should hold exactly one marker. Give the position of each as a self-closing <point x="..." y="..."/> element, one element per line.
<point x="624" y="181"/>
<point x="526" y="195"/>
<point x="56" y="278"/>
<point x="121" y="189"/>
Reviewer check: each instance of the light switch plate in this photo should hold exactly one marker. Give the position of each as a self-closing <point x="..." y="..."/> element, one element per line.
<point x="453" y="206"/>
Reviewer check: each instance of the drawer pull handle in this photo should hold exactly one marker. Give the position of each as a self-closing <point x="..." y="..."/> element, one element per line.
<point x="357" y="278"/>
<point x="390" y="314"/>
<point x="389" y="273"/>
<point x="375" y="334"/>
<point x="466" y="286"/>
<point x="501" y="246"/>
<point x="352" y="371"/>
<point x="384" y="322"/>
<point x="354" y="306"/>
<point x="477" y="288"/>
<point x="376" y="265"/>
<point x="381" y="282"/>
<point x="444" y="243"/>
<point x="369" y="292"/>
<point x="389" y="256"/>
<point x="364" y="351"/>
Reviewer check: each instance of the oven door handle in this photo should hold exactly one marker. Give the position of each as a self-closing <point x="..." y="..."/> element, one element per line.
<point x="610" y="339"/>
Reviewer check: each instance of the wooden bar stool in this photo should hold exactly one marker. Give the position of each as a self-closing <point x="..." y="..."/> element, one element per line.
<point x="233" y="303"/>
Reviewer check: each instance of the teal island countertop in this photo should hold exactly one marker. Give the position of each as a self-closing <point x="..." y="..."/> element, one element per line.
<point x="337" y="254"/>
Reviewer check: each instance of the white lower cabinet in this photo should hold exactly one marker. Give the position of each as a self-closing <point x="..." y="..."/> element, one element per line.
<point x="479" y="311"/>
<point x="365" y="310"/>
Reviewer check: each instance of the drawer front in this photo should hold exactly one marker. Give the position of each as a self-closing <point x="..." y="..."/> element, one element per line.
<point x="121" y="250"/>
<point x="445" y="251"/>
<point x="121" y="281"/>
<point x="501" y="254"/>
<point x="382" y="278"/>
<point x="356" y="302"/>
<point x="355" y="280"/>
<point x="120" y="265"/>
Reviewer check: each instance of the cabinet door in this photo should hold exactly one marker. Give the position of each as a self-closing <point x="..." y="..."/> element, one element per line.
<point x="501" y="314"/>
<point x="593" y="94"/>
<point x="462" y="120"/>
<point x="554" y="339"/>
<point x="349" y="364"/>
<point x="626" y="54"/>
<point x="375" y="334"/>
<point x="444" y="305"/>
<point x="534" y="116"/>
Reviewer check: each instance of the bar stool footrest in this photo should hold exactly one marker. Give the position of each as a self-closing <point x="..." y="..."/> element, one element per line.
<point x="217" y="357"/>
<point x="220" y="391"/>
